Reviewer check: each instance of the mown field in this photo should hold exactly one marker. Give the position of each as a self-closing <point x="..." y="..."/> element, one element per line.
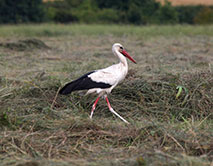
<point x="167" y="96"/>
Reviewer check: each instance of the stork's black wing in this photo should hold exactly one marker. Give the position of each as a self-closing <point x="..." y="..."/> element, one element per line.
<point x="83" y="83"/>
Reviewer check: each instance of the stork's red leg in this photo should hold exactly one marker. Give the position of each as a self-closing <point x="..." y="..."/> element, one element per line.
<point x="112" y="110"/>
<point x="93" y="107"/>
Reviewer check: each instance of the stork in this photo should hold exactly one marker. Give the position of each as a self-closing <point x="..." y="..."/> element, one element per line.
<point x="102" y="81"/>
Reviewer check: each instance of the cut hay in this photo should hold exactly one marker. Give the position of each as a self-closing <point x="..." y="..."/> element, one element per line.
<point x="23" y="45"/>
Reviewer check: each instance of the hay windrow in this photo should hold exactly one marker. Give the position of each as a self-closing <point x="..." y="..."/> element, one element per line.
<point x="158" y="97"/>
<point x="25" y="45"/>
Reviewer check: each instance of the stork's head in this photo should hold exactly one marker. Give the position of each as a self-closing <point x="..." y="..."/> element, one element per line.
<point x="119" y="48"/>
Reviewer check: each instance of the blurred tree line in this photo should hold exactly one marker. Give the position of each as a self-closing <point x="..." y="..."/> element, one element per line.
<point x="140" y="12"/>
<point x="19" y="11"/>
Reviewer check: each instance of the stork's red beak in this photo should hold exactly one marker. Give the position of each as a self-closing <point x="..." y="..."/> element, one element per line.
<point x="128" y="56"/>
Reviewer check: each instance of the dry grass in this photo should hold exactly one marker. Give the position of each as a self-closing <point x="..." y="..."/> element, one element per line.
<point x="39" y="127"/>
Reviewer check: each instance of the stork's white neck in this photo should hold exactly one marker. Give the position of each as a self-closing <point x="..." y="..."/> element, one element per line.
<point x="122" y="59"/>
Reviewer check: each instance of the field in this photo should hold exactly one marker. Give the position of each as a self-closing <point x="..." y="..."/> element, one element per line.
<point x="179" y="2"/>
<point x="167" y="96"/>
<point x="189" y="2"/>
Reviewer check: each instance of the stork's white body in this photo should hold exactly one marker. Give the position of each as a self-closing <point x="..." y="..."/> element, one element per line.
<point x="104" y="80"/>
<point x="111" y="75"/>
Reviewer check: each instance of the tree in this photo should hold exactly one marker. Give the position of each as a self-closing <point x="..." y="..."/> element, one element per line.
<point x="21" y="11"/>
<point x="205" y="16"/>
<point x="132" y="11"/>
<point x="142" y="11"/>
<point x="167" y="14"/>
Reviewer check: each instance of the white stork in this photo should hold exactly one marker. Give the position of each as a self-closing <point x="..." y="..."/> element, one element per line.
<point x="102" y="81"/>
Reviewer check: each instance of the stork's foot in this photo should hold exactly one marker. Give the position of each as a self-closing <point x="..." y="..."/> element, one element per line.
<point x="113" y="111"/>
<point x="110" y="108"/>
<point x="91" y="115"/>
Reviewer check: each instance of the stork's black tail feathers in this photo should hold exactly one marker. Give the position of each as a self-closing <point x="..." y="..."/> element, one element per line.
<point x="68" y="88"/>
<point x="82" y="83"/>
<point x="78" y="84"/>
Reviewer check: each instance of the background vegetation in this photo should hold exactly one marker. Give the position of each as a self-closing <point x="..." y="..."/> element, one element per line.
<point x="21" y="11"/>
<point x="141" y="12"/>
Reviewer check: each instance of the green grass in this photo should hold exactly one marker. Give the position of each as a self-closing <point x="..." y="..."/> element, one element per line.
<point x="53" y="30"/>
<point x="40" y="127"/>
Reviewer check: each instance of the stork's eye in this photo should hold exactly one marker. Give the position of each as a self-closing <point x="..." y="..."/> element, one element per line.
<point x="121" y="48"/>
